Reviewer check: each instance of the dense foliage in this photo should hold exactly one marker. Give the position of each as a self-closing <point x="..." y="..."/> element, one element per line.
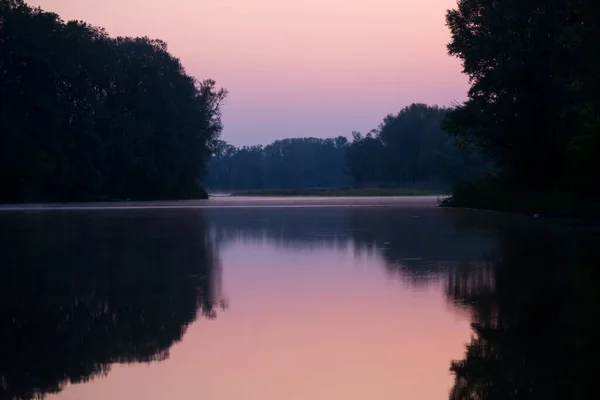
<point x="85" y="116"/>
<point x="283" y="164"/>
<point x="534" y="101"/>
<point x="410" y="147"/>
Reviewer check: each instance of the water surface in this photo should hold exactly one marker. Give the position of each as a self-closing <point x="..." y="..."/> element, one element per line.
<point x="305" y="298"/>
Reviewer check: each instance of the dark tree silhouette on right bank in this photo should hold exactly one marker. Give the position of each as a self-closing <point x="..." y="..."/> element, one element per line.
<point x="534" y="100"/>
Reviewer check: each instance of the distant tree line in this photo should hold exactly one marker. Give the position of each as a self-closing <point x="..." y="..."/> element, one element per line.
<point x="85" y="116"/>
<point x="284" y="164"/>
<point x="407" y="149"/>
<point x="534" y="102"/>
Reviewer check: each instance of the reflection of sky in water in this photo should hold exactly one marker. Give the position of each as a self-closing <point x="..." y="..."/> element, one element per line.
<point x="344" y="302"/>
<point x="416" y="243"/>
<point x="318" y="308"/>
<point x="317" y="324"/>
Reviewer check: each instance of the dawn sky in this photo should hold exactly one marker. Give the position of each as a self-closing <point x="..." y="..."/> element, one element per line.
<point x="305" y="68"/>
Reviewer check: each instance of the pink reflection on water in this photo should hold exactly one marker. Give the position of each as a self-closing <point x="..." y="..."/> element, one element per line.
<point x="304" y="325"/>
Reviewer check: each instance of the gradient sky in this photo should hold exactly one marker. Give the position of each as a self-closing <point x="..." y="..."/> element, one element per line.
<point x="296" y="68"/>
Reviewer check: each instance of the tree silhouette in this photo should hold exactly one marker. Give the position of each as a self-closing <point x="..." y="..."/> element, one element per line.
<point x="284" y="164"/>
<point x="84" y="116"/>
<point x="410" y="147"/>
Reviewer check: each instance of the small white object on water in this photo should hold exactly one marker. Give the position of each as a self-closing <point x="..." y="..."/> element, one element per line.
<point x="536" y="215"/>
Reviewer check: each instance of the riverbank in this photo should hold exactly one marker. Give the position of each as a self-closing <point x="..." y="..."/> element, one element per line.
<point x="485" y="195"/>
<point x="340" y="192"/>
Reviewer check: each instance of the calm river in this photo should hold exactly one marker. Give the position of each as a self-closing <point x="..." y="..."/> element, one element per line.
<point x="294" y="299"/>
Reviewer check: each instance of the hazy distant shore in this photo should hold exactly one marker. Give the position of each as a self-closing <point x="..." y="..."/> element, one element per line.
<point x="340" y="192"/>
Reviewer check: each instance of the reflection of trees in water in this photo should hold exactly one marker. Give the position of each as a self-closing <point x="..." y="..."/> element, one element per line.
<point x="288" y="228"/>
<point x="532" y="301"/>
<point x="532" y="316"/>
<point x="82" y="290"/>
<point x="418" y="244"/>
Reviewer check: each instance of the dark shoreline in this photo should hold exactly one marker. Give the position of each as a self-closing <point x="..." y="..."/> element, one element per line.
<point x="581" y="211"/>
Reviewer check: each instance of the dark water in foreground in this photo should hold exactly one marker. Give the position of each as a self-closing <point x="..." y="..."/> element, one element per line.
<point x="277" y="299"/>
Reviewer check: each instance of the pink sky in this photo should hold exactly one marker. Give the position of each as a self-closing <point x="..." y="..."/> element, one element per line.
<point x="303" y="68"/>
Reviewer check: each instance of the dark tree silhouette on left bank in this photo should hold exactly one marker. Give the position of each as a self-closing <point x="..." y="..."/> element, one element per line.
<point x="84" y="116"/>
